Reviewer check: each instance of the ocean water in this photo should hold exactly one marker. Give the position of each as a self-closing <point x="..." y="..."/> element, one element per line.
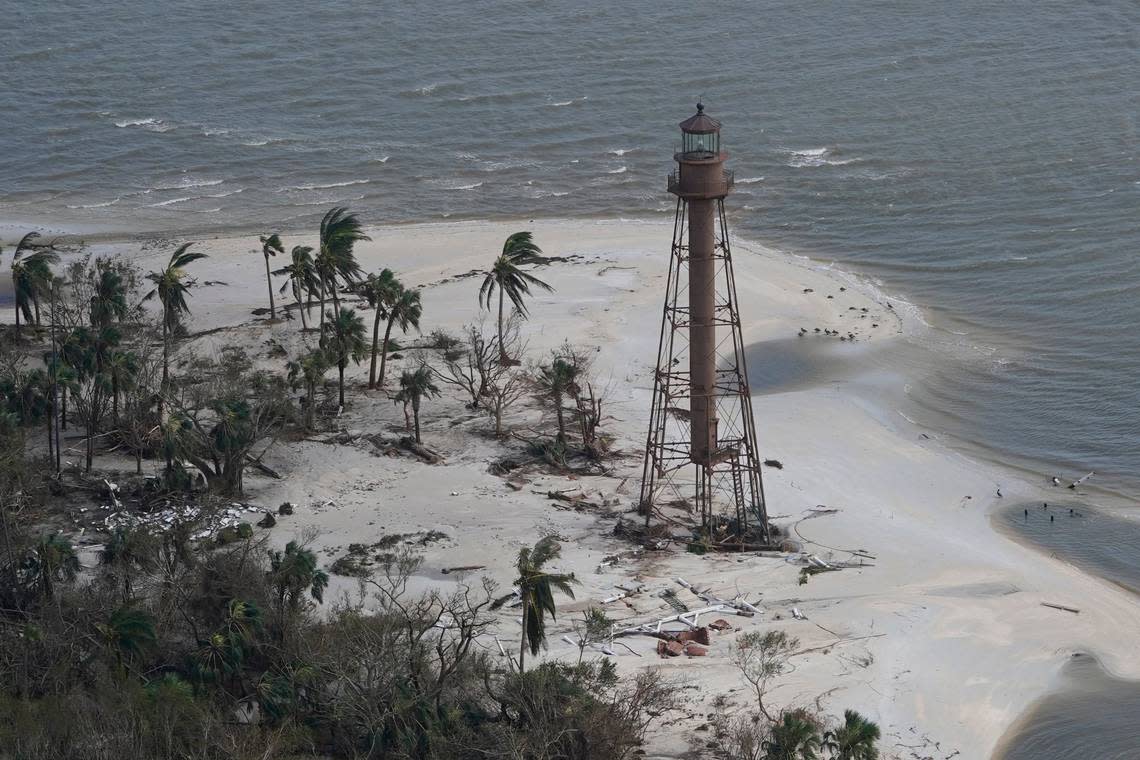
<point x="1090" y="715"/>
<point x="1100" y="543"/>
<point x="980" y="159"/>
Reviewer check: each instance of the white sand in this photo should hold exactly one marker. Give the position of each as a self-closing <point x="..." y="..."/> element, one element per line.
<point x="961" y="642"/>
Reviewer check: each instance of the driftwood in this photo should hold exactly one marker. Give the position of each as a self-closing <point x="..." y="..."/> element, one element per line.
<point x="264" y="469"/>
<point x="577" y="501"/>
<point x="461" y="569"/>
<point x="1062" y="607"/>
<point x="423" y="452"/>
<point x="1081" y="481"/>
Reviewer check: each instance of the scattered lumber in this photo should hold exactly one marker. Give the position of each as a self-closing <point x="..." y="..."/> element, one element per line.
<point x="577" y="501"/>
<point x="650" y="538"/>
<point x="737" y="603"/>
<point x="1061" y="607"/>
<point x="688" y="618"/>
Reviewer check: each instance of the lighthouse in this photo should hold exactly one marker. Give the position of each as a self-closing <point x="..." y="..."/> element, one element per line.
<point x="701" y="451"/>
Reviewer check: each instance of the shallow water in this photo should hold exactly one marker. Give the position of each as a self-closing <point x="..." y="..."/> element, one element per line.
<point x="1091" y="715"/>
<point x="1099" y="542"/>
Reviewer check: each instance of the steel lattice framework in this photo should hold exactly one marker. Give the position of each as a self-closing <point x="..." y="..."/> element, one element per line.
<point x="727" y="491"/>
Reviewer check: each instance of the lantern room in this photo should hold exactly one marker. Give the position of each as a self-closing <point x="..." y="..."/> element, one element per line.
<point x="700" y="136"/>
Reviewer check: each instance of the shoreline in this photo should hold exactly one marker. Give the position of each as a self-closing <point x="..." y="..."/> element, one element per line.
<point x="938" y="343"/>
<point x="897" y="485"/>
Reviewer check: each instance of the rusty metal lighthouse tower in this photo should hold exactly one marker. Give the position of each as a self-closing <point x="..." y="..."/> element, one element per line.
<point x="701" y="450"/>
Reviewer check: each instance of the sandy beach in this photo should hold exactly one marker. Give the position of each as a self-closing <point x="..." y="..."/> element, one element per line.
<point x="941" y="638"/>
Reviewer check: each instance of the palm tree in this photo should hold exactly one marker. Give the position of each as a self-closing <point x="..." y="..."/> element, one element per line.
<point x="335" y="260"/>
<point x="404" y="311"/>
<point x="302" y="278"/>
<point x="292" y="572"/>
<point x="536" y="588"/>
<point x="378" y="291"/>
<point x="122" y="367"/>
<point x="854" y="740"/>
<point x="347" y="342"/>
<point x="243" y="622"/>
<point x="31" y="277"/>
<point x="89" y="351"/>
<point x="52" y="560"/>
<point x="308" y="371"/>
<point x="58" y="375"/>
<point x="171" y="289"/>
<point x="415" y="385"/>
<point x="795" y="737"/>
<point x="506" y="277"/>
<point x="271" y="245"/>
<point x="218" y="655"/>
<point x="129" y="550"/>
<point x="127" y="632"/>
<point x="109" y="301"/>
<point x="555" y="383"/>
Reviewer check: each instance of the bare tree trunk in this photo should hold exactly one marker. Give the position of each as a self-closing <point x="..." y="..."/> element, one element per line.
<point x="165" y="366"/>
<point x="269" y="282"/>
<point x="561" y="419"/>
<point x="310" y="403"/>
<point x="340" y="372"/>
<point x="384" y="348"/>
<point x="375" y="339"/>
<point x="416" y="414"/>
<point x="115" y="399"/>
<point x="322" y="310"/>
<point x="502" y="346"/>
<point x="522" y="644"/>
<point x="302" y="309"/>
<point x="63" y="409"/>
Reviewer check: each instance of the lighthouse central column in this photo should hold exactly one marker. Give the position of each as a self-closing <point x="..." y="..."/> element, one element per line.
<point x="702" y="329"/>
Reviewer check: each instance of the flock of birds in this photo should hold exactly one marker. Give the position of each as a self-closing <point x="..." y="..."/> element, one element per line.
<point x="849" y="335"/>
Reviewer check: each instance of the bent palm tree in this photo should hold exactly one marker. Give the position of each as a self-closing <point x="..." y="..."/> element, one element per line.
<point x="31" y="277"/>
<point x="347" y="342"/>
<point x="506" y="277"/>
<point x="536" y="588"/>
<point x="302" y="278"/>
<point x="378" y="291"/>
<point x="404" y="311"/>
<point x="172" y="288"/>
<point x="340" y="230"/>
<point x="854" y="740"/>
<point x="415" y="385"/>
<point x="271" y="245"/>
<point x="127" y="632"/>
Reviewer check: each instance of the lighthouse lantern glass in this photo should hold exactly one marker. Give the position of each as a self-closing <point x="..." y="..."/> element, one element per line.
<point x="707" y="144"/>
